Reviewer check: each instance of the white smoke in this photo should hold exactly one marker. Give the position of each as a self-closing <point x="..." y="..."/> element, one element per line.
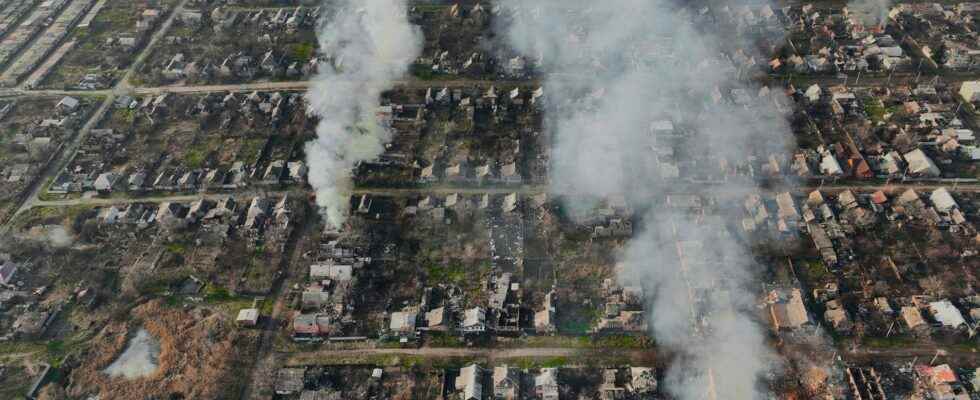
<point x="55" y="236"/>
<point x="870" y="12"/>
<point x="613" y="69"/>
<point x="369" y="43"/>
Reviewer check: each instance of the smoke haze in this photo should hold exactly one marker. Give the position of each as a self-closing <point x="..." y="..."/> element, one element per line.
<point x="55" y="236"/>
<point x="643" y="92"/>
<point x="369" y="43"/>
<point x="870" y="12"/>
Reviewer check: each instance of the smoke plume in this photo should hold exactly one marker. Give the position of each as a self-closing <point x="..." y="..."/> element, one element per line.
<point x="870" y="12"/>
<point x="54" y="236"/>
<point x="369" y="44"/>
<point x="645" y="100"/>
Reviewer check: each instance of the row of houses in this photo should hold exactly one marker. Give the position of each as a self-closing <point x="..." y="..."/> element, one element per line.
<point x="327" y="299"/>
<point x="261" y="216"/>
<point x="504" y="382"/>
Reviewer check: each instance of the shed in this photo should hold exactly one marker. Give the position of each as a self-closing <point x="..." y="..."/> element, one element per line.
<point x="912" y="317"/>
<point x="340" y="273"/>
<point x="248" y="317"/>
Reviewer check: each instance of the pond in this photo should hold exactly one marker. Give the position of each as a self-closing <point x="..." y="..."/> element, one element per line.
<point x="139" y="359"/>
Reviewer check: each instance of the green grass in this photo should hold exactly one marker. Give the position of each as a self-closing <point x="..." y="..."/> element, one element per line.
<point x="301" y="52"/>
<point x="425" y="73"/>
<point x="250" y="150"/>
<point x="230" y="304"/>
<point x="534" y="363"/>
<point x="453" y="273"/>
<point x="217" y="294"/>
<point x="617" y="342"/>
<point x="194" y="158"/>
<point x="266" y="306"/>
<point x="442" y="339"/>
<point x="815" y="270"/>
<point x="56" y="351"/>
<point x="875" y="110"/>
<point x="16" y="347"/>
<point x="581" y="323"/>
<point x="177" y="248"/>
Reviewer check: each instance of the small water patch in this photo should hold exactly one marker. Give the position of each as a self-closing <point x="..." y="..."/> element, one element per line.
<point x="139" y="359"/>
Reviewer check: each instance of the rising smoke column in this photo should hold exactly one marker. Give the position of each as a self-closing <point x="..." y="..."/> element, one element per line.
<point x="369" y="44"/>
<point x="613" y="70"/>
<point x="870" y="12"/>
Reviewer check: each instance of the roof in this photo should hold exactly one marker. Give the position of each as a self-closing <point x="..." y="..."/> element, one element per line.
<point x="474" y="316"/>
<point x="289" y="380"/>
<point x="829" y="165"/>
<point x="938" y="374"/>
<point x="336" y="272"/>
<point x="69" y="102"/>
<point x="644" y="379"/>
<point x="248" y="314"/>
<point x="792" y="313"/>
<point x="795" y="309"/>
<point x="815" y="198"/>
<point x="787" y="207"/>
<point x="305" y="323"/>
<point x="847" y="199"/>
<point x="813" y="92"/>
<point x="942" y="200"/>
<point x="837" y="316"/>
<point x="469" y="379"/>
<point x="912" y="316"/>
<point x="505" y="382"/>
<point x="908" y="196"/>
<point x="402" y="321"/>
<point x="436" y="317"/>
<point x="315" y="297"/>
<point x="883" y="306"/>
<point x="972" y="86"/>
<point x="7" y="271"/>
<point x="947" y="314"/>
<point x="879" y="197"/>
<point x="547" y="377"/>
<point x="920" y="163"/>
<point x="508" y="169"/>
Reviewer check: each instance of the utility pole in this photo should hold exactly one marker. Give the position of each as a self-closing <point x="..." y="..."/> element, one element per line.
<point x="918" y="71"/>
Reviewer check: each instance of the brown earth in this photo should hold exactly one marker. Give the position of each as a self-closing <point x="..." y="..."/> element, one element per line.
<point x="201" y="354"/>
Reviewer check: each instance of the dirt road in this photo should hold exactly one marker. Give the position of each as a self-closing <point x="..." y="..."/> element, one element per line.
<point x="68" y="151"/>
<point x="895" y="188"/>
